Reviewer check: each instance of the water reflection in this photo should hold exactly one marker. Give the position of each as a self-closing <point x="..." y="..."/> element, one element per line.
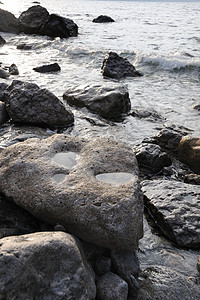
<point x="115" y="178"/>
<point x="66" y="159"/>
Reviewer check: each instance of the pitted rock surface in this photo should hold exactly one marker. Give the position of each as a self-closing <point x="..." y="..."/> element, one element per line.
<point x="175" y="207"/>
<point x="47" y="265"/>
<point x="109" y="216"/>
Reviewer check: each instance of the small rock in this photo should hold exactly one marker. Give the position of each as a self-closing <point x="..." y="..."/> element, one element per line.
<point x="192" y="178"/>
<point x="48" y="68"/>
<point x="103" y="19"/>
<point x="2" y="41"/>
<point x="4" y="74"/>
<point x="111" y="287"/>
<point x="13" y="70"/>
<point x="197" y="107"/>
<point x="103" y="265"/>
<point x="24" y="47"/>
<point x="150" y="115"/>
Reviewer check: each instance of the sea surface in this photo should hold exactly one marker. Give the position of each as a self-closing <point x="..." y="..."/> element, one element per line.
<point x="161" y="39"/>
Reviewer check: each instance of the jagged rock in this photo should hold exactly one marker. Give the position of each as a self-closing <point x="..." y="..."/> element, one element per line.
<point x="150" y="115"/>
<point x="47" y="265"/>
<point x="103" y="19"/>
<point x="27" y="103"/>
<point x="93" y="191"/>
<point x="192" y="178"/>
<point x="9" y="22"/>
<point x="2" y="41"/>
<point x="111" y="287"/>
<point x="48" y="68"/>
<point x="151" y="159"/>
<point x="4" y="74"/>
<point x="115" y="66"/>
<point x="189" y="152"/>
<point x="102" y="265"/>
<point x="175" y="208"/>
<point x="3" y="113"/>
<point x="3" y="87"/>
<point x="159" y="282"/>
<point x="13" y="70"/>
<point x="109" y="102"/>
<point x="15" y="220"/>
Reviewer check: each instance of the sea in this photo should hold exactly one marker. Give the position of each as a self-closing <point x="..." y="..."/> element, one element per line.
<point x="161" y="39"/>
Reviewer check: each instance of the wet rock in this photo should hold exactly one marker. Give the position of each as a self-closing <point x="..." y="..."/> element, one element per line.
<point x="197" y="107"/>
<point x="158" y="282"/>
<point x="174" y="206"/>
<point x="111" y="287"/>
<point x="2" y="41"/>
<point x="150" y="115"/>
<point x="9" y="22"/>
<point x="118" y="67"/>
<point x="27" y="103"/>
<point x="24" y="47"/>
<point x="3" y="87"/>
<point x="48" y="68"/>
<point x="13" y="70"/>
<point x="102" y="265"/>
<point x="27" y="268"/>
<point x="106" y="101"/>
<point x="151" y="159"/>
<point x="192" y="178"/>
<point x="198" y="265"/>
<point x="189" y="152"/>
<point x="31" y="20"/>
<point x="15" y="220"/>
<point x="103" y="19"/>
<point x="3" y="113"/>
<point x="57" y="26"/>
<point x="4" y="74"/>
<point x="66" y="190"/>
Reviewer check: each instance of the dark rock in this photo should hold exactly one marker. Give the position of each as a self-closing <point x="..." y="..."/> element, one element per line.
<point x="48" y="68"/>
<point x="159" y="282"/>
<point x="189" y="152"/>
<point x="9" y="22"/>
<point x="59" y="26"/>
<point x="197" y="107"/>
<point x="4" y="74"/>
<point x="47" y="265"/>
<point x="111" y="287"/>
<point x="94" y="252"/>
<point x="24" y="47"/>
<point x="118" y="67"/>
<point x="15" y="220"/>
<point x="150" y="115"/>
<point x="103" y="19"/>
<point x="13" y="70"/>
<point x="192" y="178"/>
<point x="3" y="113"/>
<point x="103" y="212"/>
<point x="102" y="265"/>
<point x="198" y="265"/>
<point x="151" y="159"/>
<point x="3" y="87"/>
<point x="2" y="41"/>
<point x="31" y="20"/>
<point x="27" y="103"/>
<point x="106" y="101"/>
<point x="175" y="207"/>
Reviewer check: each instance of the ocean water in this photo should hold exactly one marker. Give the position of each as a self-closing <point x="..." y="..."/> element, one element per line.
<point x="161" y="39"/>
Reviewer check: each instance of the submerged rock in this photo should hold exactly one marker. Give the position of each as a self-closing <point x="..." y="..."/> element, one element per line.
<point x="24" y="47"/>
<point x="70" y="194"/>
<point x="27" y="103"/>
<point x="103" y="19"/>
<point x="115" y="66"/>
<point x="47" y="265"/>
<point x="9" y="22"/>
<point x="3" y="113"/>
<point x="48" y="68"/>
<point x="109" y="102"/>
<point x="189" y="152"/>
<point x="175" y="207"/>
<point x="159" y="282"/>
<point x="150" y="115"/>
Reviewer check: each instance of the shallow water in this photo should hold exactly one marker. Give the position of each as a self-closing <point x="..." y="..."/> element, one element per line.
<point x="115" y="178"/>
<point x="161" y="39"/>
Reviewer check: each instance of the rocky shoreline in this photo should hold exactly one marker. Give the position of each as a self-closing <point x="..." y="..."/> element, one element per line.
<point x="72" y="208"/>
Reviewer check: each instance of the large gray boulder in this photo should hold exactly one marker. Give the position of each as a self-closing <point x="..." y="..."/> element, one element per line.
<point x="47" y="265"/>
<point x="89" y="186"/>
<point x="109" y="102"/>
<point x="27" y="103"/>
<point x="175" y="207"/>
<point x="8" y="22"/>
<point x="162" y="283"/>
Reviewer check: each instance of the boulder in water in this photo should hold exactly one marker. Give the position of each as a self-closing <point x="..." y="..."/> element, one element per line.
<point x="13" y="70"/>
<point x="103" y="19"/>
<point x="9" y="22"/>
<point x="48" y="68"/>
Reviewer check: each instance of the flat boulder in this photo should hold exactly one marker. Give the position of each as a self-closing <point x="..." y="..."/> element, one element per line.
<point x="175" y="207"/>
<point x="159" y="282"/>
<point x="110" y="102"/>
<point x="48" y="68"/>
<point x="103" y="19"/>
<point x="27" y="103"/>
<point x="115" y="66"/>
<point x="189" y="152"/>
<point x="46" y="265"/>
<point x="89" y="186"/>
<point x="8" y="22"/>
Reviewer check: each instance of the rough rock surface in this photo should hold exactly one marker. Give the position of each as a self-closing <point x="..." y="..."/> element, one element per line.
<point x="2" y="41"/>
<point x="192" y="178"/>
<point x="162" y="283"/>
<point x="108" y="215"/>
<point x="111" y="287"/>
<point x="189" y="152"/>
<point x="3" y="87"/>
<point x="109" y="102"/>
<point x="9" y="22"/>
<point x="175" y="208"/>
<point x="102" y="265"/>
<point x="115" y="66"/>
<point x="3" y="113"/>
<point x="47" y="265"/>
<point x="150" y="115"/>
<point x="47" y="68"/>
<point x="27" y="103"/>
<point x="13" y="70"/>
<point x="103" y="19"/>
